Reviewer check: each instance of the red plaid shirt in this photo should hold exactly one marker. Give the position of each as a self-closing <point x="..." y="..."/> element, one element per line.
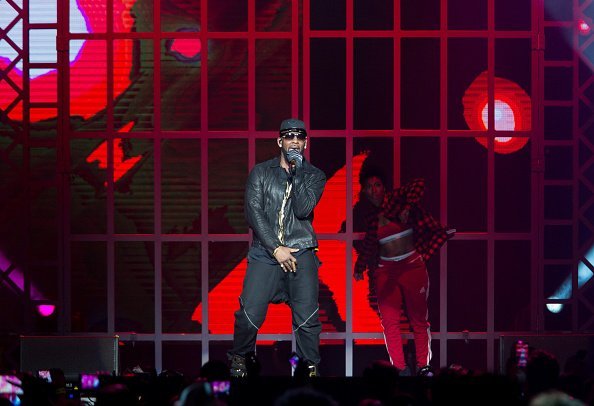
<point x="428" y="234"/>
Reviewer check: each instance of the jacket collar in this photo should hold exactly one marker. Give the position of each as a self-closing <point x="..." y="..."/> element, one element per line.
<point x="274" y="162"/>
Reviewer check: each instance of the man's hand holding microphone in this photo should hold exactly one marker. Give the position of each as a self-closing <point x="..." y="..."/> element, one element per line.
<point x="295" y="160"/>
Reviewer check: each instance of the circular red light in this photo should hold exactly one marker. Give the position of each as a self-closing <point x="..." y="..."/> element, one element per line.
<point x="513" y="110"/>
<point x="583" y="27"/>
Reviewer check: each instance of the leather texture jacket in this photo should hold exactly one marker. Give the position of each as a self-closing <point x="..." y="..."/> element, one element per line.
<point x="264" y="193"/>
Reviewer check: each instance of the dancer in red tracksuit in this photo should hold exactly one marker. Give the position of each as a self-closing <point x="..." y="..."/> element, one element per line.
<point x="400" y="237"/>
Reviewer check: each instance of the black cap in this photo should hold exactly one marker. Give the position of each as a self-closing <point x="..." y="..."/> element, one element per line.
<point x="292" y="124"/>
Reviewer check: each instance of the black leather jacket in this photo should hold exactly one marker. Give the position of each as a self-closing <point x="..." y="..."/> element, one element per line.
<point x="264" y="194"/>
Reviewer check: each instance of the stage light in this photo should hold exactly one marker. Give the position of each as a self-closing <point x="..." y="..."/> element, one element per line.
<point x="46" y="309"/>
<point x="554" y="307"/>
<point x="504" y="119"/>
<point x="504" y="116"/>
<point x="584" y="274"/>
<point x="512" y="111"/>
<point x="583" y="27"/>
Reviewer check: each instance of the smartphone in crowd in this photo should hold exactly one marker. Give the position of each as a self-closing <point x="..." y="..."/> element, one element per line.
<point x="521" y="354"/>
<point x="89" y="381"/>
<point x="220" y="388"/>
<point x="45" y="375"/>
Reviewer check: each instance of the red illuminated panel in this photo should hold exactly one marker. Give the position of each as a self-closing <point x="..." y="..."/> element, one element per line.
<point x="121" y="163"/>
<point x="331" y="210"/>
<point x="513" y="111"/>
<point x="87" y="91"/>
<point x="187" y="47"/>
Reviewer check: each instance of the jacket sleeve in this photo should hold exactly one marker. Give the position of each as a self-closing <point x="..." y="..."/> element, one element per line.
<point x="412" y="192"/>
<point x="431" y="235"/>
<point x="307" y="191"/>
<point x="254" y="210"/>
<point x="368" y="246"/>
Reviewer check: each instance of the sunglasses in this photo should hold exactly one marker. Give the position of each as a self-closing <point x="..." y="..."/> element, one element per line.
<point x="290" y="134"/>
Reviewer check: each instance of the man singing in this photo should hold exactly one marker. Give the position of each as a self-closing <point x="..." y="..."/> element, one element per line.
<point x="280" y="197"/>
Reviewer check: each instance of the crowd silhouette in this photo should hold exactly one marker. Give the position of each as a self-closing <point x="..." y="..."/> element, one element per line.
<point x="541" y="382"/>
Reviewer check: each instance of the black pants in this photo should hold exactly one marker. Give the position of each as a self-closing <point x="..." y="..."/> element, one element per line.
<point x="265" y="284"/>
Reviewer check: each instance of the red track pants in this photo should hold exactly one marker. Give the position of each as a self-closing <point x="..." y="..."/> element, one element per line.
<point x="398" y="282"/>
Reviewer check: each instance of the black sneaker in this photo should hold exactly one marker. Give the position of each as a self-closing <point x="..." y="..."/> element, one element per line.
<point x="425" y="371"/>
<point x="237" y="367"/>
<point x="252" y="364"/>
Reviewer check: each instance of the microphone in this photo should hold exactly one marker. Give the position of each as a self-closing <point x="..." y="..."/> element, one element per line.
<point x="292" y="157"/>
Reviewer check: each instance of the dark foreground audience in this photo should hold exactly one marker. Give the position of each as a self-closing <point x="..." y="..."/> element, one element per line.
<point x="304" y="396"/>
<point x="116" y="394"/>
<point x="555" y="398"/>
<point x="542" y="372"/>
<point x="539" y="383"/>
<point x="199" y="394"/>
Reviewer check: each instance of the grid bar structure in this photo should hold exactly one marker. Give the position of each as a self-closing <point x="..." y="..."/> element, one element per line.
<point x="301" y="35"/>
